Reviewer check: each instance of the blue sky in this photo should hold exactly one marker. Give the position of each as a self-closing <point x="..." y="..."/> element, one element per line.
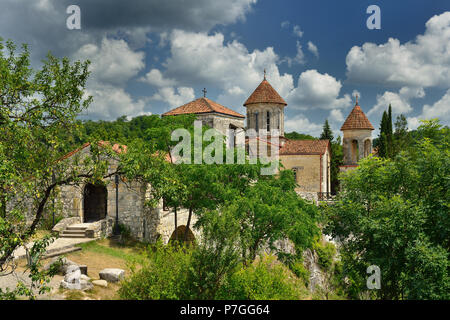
<point x="150" y="56"/>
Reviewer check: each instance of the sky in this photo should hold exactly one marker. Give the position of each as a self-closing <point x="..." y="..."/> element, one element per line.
<point x="149" y="56"/>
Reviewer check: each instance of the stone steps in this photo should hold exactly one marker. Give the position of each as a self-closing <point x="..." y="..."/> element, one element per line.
<point x="74" y="231"/>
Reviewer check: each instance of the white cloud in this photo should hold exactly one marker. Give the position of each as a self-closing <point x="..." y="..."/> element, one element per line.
<point x="297" y="31"/>
<point x="199" y="59"/>
<point x="400" y="102"/>
<point x="313" y="49"/>
<point x="112" y="62"/>
<point x="155" y="78"/>
<point x="112" y="102"/>
<point x="336" y="116"/>
<point x="424" y="62"/>
<point x="316" y="90"/>
<point x="173" y="99"/>
<point x="440" y="109"/>
<point x="285" y="24"/>
<point x="299" y="57"/>
<point x="302" y="124"/>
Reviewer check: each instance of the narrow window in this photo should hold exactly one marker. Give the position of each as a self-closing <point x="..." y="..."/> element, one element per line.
<point x="256" y="122"/>
<point x="268" y="120"/>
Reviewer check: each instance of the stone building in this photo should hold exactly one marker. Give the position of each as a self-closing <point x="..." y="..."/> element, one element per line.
<point x="309" y="159"/>
<point x="265" y="110"/>
<point x="216" y="116"/>
<point x="90" y="210"/>
<point x="357" y="140"/>
<point x="310" y="162"/>
<point x="94" y="206"/>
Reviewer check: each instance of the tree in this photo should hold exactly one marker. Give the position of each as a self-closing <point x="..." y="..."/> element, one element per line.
<point x="267" y="211"/>
<point x="337" y="159"/>
<point x="337" y="155"/>
<point x="326" y="134"/>
<point x="298" y="136"/>
<point x="393" y="213"/>
<point x="401" y="138"/>
<point x="35" y="108"/>
<point x="385" y="140"/>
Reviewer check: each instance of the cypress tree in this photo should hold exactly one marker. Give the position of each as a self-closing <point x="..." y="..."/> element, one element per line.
<point x="389" y="135"/>
<point x="326" y="134"/>
<point x="382" y="141"/>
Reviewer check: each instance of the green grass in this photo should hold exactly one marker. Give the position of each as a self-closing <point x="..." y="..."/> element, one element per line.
<point x="128" y="252"/>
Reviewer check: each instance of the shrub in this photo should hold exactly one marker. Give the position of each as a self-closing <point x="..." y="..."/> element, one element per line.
<point x="46" y="222"/>
<point x="162" y="276"/>
<point x="325" y="253"/>
<point x="298" y="268"/>
<point x="266" y="279"/>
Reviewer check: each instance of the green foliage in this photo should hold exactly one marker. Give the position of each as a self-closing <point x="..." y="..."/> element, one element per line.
<point x="265" y="279"/>
<point x="298" y="136"/>
<point x="216" y="258"/>
<point x="46" y="222"/>
<point x="385" y="139"/>
<point x="162" y="276"/>
<point x="38" y="111"/>
<point x="298" y="268"/>
<point x="267" y="211"/>
<point x="393" y="213"/>
<point x="39" y="279"/>
<point x="326" y="134"/>
<point x="325" y="252"/>
<point x="124" y="231"/>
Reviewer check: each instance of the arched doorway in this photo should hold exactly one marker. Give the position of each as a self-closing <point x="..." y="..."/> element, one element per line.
<point x="94" y="202"/>
<point x="179" y="234"/>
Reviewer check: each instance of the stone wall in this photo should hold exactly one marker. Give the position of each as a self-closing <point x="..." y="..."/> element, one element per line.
<point x="308" y="171"/>
<point x="361" y="136"/>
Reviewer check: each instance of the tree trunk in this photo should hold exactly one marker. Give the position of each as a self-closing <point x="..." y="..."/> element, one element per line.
<point x="176" y="225"/>
<point x="187" y="225"/>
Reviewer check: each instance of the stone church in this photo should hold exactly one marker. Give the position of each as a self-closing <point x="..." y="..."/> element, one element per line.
<point x="90" y="210"/>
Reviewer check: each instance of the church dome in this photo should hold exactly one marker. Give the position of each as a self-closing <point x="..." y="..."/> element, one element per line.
<point x="264" y="93"/>
<point x="357" y="120"/>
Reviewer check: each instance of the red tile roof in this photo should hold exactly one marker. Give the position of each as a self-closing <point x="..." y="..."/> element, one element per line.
<point x="118" y="148"/>
<point x="264" y="93"/>
<point x="357" y="120"/>
<point x="202" y="105"/>
<point x="292" y="147"/>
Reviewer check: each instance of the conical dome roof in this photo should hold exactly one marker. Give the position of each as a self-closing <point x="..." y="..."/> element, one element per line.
<point x="357" y="120"/>
<point x="264" y="93"/>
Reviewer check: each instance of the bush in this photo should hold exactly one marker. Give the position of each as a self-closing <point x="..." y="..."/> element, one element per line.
<point x="266" y="279"/>
<point x="298" y="268"/>
<point x="325" y="253"/>
<point x="162" y="276"/>
<point x="46" y="222"/>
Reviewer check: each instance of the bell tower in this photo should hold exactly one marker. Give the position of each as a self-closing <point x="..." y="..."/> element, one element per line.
<point x="265" y="109"/>
<point x="357" y="140"/>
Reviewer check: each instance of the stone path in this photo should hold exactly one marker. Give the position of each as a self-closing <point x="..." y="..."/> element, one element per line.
<point x="59" y="244"/>
<point x="10" y="281"/>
